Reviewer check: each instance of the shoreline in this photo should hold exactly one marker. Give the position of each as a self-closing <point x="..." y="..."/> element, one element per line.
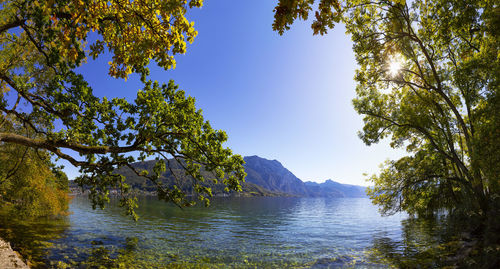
<point x="10" y="259"/>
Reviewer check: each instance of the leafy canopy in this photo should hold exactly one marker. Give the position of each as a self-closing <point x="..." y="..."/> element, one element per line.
<point x="428" y="79"/>
<point x="42" y="42"/>
<point x="30" y="185"/>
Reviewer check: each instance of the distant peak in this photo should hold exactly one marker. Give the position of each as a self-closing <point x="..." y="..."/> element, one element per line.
<point x="260" y="158"/>
<point x="252" y="157"/>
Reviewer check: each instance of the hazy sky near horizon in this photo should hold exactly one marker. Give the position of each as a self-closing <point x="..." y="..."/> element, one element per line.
<point x="279" y="97"/>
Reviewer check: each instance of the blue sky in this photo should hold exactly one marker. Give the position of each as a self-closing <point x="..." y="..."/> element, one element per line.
<point x="280" y="97"/>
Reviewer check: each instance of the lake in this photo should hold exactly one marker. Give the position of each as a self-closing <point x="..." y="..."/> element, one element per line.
<point x="258" y="232"/>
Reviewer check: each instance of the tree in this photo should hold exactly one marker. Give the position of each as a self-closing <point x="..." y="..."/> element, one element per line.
<point x="42" y="42"/>
<point x="428" y="79"/>
<point x="30" y="185"/>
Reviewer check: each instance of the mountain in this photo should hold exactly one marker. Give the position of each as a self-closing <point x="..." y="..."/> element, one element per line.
<point x="273" y="176"/>
<point x="184" y="182"/>
<point x="331" y="188"/>
<point x="264" y="178"/>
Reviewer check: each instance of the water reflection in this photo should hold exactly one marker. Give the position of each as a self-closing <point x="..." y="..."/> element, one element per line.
<point x="32" y="238"/>
<point x="426" y="243"/>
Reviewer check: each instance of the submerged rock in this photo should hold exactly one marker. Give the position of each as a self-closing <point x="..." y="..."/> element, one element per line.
<point x="336" y="262"/>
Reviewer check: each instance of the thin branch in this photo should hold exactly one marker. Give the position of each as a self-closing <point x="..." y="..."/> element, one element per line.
<point x="14" y="169"/>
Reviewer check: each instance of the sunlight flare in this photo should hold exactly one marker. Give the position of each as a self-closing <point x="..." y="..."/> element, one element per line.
<point x="395" y="64"/>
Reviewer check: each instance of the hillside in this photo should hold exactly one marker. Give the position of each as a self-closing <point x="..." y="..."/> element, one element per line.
<point x="330" y="188"/>
<point x="264" y="178"/>
<point x="184" y="182"/>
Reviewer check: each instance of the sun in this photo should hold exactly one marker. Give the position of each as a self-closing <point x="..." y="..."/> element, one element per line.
<point x="394" y="66"/>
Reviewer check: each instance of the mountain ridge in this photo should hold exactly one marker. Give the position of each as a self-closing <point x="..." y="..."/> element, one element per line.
<point x="282" y="180"/>
<point x="264" y="178"/>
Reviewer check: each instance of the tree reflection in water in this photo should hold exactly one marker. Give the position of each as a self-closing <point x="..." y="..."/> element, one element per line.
<point x="434" y="242"/>
<point x="32" y="238"/>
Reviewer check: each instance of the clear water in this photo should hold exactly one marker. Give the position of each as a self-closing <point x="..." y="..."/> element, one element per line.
<point x="258" y="232"/>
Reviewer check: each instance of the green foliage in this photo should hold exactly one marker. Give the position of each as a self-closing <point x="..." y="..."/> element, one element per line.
<point x="30" y="185"/>
<point x="432" y="106"/>
<point x="428" y="80"/>
<point x="287" y="11"/>
<point x="42" y="42"/>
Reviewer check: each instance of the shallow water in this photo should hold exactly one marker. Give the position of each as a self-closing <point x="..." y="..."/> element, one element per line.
<point x="232" y="232"/>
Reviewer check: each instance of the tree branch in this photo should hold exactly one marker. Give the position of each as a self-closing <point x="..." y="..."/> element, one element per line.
<point x="12" y="24"/>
